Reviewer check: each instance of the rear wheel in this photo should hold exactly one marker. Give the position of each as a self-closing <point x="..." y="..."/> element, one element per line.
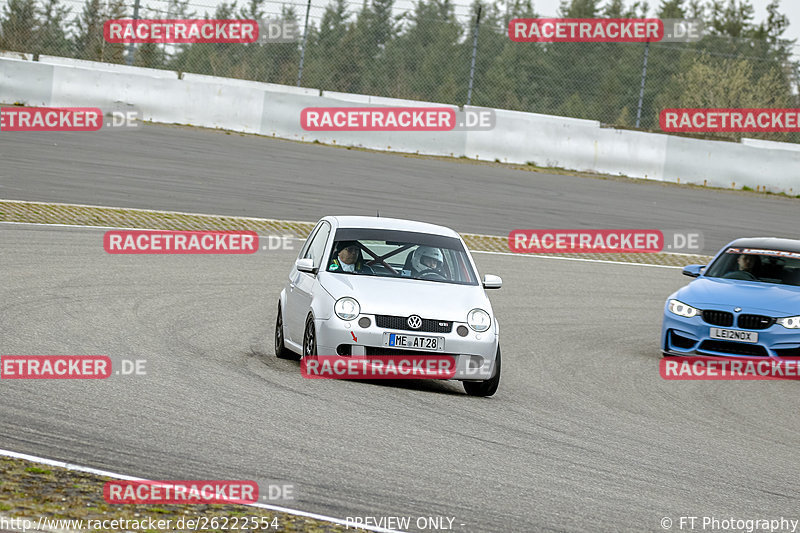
<point x="487" y="387"/>
<point x="280" y="347"/>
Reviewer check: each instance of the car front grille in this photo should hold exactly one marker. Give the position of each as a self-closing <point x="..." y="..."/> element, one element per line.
<point x="733" y="348"/>
<point x="718" y="318"/>
<point x="755" y="321"/>
<point x="429" y="325"/>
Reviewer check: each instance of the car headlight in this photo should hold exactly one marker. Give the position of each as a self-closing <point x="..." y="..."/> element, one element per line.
<point x="791" y="322"/>
<point x="347" y="308"/>
<point x="479" y="320"/>
<point x="681" y="309"/>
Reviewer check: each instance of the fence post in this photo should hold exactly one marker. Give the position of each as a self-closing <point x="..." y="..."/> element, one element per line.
<point x="641" y="89"/>
<point x="131" y="48"/>
<point x="303" y="47"/>
<point x="474" y="53"/>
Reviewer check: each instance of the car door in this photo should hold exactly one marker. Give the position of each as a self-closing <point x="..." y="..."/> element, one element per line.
<point x="301" y="284"/>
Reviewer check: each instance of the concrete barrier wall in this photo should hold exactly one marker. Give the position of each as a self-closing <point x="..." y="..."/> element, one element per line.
<point x="274" y="110"/>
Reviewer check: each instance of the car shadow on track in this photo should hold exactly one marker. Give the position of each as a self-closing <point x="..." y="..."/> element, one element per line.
<point x="268" y="359"/>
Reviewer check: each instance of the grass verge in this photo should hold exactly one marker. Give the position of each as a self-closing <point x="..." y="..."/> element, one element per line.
<point x="30" y="490"/>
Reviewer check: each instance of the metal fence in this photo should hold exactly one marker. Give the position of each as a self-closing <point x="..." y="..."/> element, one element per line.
<point x="434" y="51"/>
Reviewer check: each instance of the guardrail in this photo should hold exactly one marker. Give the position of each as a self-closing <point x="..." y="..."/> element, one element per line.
<point x="274" y="110"/>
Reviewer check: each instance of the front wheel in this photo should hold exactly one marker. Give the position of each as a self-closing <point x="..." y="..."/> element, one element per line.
<point x="487" y="387"/>
<point x="310" y="338"/>
<point x="280" y="347"/>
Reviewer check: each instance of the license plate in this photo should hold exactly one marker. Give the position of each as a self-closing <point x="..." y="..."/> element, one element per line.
<point x="734" y="335"/>
<point x="413" y="342"/>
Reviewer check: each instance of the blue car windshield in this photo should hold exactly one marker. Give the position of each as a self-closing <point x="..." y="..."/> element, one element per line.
<point x="400" y="254"/>
<point x="756" y="264"/>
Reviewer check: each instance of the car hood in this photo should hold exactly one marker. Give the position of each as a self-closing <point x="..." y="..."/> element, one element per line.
<point x="710" y="293"/>
<point x="404" y="297"/>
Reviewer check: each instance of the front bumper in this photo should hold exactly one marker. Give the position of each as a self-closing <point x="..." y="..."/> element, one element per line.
<point x="474" y="354"/>
<point x="692" y="336"/>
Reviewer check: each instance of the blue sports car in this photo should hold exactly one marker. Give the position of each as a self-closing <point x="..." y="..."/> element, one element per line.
<point x="745" y="303"/>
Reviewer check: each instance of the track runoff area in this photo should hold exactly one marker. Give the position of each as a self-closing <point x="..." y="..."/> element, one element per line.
<point x="117" y="225"/>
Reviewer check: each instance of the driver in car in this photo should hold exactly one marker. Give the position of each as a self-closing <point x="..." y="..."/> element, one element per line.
<point x="349" y="259"/>
<point x="746" y="263"/>
<point x="425" y="260"/>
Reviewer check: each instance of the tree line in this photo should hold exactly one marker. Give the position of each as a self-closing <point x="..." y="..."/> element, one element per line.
<point x="425" y="54"/>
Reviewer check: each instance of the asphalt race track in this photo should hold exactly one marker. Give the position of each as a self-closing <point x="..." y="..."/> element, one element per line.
<point x="583" y="434"/>
<point x="202" y="171"/>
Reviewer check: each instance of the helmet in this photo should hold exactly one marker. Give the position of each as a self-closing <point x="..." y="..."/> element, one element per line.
<point x="427" y="253"/>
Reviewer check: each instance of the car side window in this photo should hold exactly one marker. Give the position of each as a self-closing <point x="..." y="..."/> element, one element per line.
<point x="316" y="247"/>
<point x="310" y="238"/>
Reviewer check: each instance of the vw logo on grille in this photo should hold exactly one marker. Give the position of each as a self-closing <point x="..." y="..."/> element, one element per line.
<point x="414" y="322"/>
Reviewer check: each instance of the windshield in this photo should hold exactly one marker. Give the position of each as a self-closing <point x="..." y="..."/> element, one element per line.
<point x="400" y="254"/>
<point x="756" y="264"/>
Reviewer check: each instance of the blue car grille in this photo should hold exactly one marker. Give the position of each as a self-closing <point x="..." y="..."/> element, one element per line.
<point x="733" y="348"/>
<point x="725" y="319"/>
<point x="788" y="352"/>
<point x="755" y="321"/>
<point x="718" y="318"/>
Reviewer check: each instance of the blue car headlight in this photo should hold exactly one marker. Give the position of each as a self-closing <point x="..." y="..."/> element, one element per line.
<point x="790" y="322"/>
<point x="347" y="308"/>
<point x="681" y="309"/>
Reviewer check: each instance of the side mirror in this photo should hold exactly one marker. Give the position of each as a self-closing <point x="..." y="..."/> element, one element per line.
<point x="492" y="282"/>
<point x="305" y="265"/>
<point x="693" y="271"/>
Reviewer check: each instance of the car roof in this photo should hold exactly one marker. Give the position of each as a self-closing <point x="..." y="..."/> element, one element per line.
<point x="770" y="243"/>
<point x="392" y="224"/>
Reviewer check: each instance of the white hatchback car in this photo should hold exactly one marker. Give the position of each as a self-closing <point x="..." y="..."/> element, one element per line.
<point x="377" y="286"/>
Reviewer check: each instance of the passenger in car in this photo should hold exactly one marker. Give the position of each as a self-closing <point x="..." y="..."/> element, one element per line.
<point x="426" y="259"/>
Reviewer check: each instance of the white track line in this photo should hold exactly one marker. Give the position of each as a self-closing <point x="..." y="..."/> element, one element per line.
<point x="95" y="471"/>
<point x="585" y="260"/>
<point x="81" y="226"/>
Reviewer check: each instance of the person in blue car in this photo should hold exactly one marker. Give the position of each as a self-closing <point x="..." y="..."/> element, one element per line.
<point x="747" y="264"/>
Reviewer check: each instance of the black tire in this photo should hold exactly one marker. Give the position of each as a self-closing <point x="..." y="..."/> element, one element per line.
<point x="487" y="387"/>
<point x="280" y="348"/>
<point x="310" y="338"/>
